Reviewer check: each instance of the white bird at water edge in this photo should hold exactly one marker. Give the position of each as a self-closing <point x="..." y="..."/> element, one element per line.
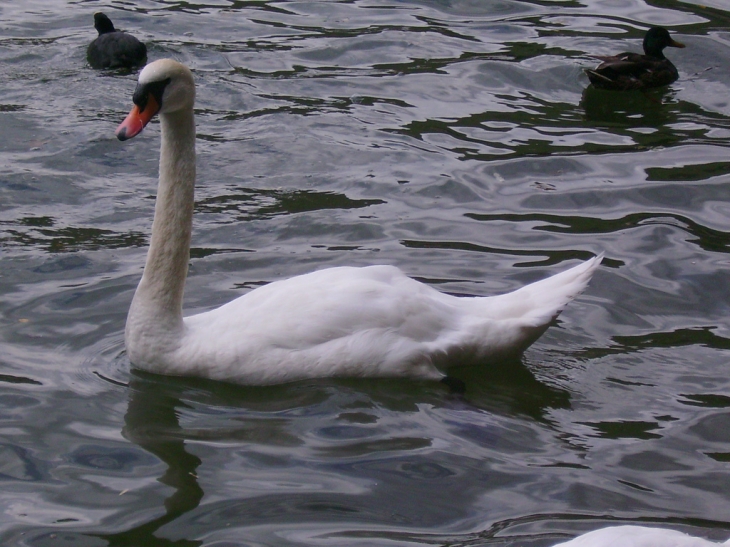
<point x="638" y="536"/>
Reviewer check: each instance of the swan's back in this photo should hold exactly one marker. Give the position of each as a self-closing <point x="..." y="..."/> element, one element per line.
<point x="372" y="321"/>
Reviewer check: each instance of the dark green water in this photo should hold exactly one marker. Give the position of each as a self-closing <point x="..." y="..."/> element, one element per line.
<point x="455" y="139"/>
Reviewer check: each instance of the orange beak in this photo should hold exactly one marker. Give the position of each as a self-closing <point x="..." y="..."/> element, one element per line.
<point x="674" y="43"/>
<point x="137" y="119"/>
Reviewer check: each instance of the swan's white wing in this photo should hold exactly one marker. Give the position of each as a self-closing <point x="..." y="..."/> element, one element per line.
<point x="372" y="321"/>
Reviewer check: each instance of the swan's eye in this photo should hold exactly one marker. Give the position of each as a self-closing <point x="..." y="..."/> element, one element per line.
<point x="143" y="91"/>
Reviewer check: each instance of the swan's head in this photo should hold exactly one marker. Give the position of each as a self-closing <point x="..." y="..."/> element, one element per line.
<point x="164" y="86"/>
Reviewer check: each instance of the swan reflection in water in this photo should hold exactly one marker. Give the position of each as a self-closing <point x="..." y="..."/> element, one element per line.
<point x="152" y="422"/>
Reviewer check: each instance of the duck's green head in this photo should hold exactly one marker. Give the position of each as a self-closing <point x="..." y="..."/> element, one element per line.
<point x="656" y="39"/>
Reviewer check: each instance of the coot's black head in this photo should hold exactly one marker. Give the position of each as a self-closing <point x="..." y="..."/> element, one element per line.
<point x="102" y="23"/>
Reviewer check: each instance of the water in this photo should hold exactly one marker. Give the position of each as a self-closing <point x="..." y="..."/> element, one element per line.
<point x="454" y="139"/>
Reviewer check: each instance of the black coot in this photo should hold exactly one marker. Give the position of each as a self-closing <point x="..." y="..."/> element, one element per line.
<point x="114" y="48"/>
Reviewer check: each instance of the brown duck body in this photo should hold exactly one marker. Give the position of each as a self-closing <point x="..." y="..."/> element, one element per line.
<point x="627" y="71"/>
<point x="632" y="71"/>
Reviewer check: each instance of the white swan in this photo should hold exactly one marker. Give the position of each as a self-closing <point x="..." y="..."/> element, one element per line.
<point x="638" y="536"/>
<point x="372" y="321"/>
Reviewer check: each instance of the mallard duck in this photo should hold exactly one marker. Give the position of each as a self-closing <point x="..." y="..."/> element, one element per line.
<point x="634" y="71"/>
<point x="359" y="322"/>
<point x="114" y="48"/>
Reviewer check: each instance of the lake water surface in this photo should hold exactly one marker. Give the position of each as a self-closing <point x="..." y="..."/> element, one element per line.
<point x="455" y="139"/>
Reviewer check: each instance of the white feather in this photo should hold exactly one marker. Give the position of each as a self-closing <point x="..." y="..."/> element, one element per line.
<point x="638" y="536"/>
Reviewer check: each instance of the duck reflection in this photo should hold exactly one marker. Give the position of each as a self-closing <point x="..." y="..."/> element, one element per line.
<point x="633" y="108"/>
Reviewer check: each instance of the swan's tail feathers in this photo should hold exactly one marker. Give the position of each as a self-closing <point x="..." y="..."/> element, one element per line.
<point x="505" y="326"/>
<point x="547" y="298"/>
<point x="533" y="307"/>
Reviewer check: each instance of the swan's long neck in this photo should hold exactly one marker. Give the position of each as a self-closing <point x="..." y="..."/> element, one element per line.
<point x="156" y="310"/>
